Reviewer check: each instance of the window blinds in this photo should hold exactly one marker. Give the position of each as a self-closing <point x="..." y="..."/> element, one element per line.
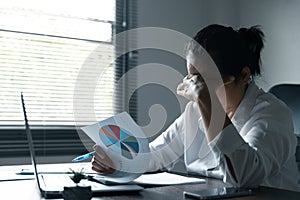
<point x="42" y="51"/>
<point x="43" y="47"/>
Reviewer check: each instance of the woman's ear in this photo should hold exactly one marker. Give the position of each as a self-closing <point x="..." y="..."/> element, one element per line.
<point x="246" y="73"/>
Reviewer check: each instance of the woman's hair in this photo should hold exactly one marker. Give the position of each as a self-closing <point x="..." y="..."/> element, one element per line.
<point x="231" y="50"/>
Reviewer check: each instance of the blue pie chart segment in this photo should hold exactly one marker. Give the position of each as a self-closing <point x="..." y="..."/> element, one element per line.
<point x="119" y="140"/>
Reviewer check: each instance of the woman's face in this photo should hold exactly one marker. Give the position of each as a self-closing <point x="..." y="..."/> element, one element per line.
<point x="204" y="68"/>
<point x="229" y="90"/>
<point x="225" y="87"/>
<point x="202" y="64"/>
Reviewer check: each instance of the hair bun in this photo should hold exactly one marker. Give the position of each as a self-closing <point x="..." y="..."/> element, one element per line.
<point x="254" y="39"/>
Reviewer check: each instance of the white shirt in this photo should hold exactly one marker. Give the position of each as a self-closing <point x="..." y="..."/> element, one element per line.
<point x="260" y="144"/>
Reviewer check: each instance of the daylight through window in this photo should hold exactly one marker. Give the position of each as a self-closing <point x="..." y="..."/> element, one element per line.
<point x="43" y="46"/>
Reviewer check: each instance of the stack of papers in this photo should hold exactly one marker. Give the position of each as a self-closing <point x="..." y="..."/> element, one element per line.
<point x="166" y="178"/>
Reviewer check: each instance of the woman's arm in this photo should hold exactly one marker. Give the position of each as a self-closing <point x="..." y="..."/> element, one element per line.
<point x="266" y="145"/>
<point x="261" y="153"/>
<point x="167" y="148"/>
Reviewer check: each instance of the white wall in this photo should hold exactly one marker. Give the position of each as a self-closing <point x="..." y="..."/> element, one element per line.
<point x="281" y="24"/>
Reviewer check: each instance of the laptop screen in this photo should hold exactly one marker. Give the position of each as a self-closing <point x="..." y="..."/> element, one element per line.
<point x="30" y="141"/>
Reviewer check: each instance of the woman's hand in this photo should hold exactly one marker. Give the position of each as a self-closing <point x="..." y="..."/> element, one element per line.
<point x="101" y="163"/>
<point x="193" y="88"/>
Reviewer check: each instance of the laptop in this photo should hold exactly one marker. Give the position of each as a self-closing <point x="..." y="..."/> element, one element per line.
<point x="51" y="184"/>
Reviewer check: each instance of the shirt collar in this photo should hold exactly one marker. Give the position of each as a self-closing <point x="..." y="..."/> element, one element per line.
<point x="242" y="113"/>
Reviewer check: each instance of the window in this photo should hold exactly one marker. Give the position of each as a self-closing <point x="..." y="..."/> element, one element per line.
<point x="44" y="44"/>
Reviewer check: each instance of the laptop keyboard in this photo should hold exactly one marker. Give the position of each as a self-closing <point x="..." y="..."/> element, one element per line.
<point x="56" y="181"/>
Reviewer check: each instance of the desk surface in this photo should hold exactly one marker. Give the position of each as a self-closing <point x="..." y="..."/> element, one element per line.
<point x="27" y="190"/>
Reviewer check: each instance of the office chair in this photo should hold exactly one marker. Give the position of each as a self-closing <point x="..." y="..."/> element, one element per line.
<point x="290" y="95"/>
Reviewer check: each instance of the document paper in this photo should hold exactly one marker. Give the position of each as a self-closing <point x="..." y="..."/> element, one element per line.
<point x="166" y="178"/>
<point x="124" y="143"/>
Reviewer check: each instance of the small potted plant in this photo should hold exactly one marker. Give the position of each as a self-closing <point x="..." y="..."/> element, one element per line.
<point x="78" y="192"/>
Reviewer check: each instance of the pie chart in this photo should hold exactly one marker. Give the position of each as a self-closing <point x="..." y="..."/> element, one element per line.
<point x="119" y="140"/>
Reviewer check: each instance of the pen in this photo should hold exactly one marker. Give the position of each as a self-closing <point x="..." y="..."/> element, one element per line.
<point x="83" y="157"/>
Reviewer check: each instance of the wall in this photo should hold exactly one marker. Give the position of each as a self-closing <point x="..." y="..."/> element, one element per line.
<point x="280" y="22"/>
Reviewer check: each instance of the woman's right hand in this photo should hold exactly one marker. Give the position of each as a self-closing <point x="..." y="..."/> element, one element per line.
<point x="101" y="163"/>
<point x="191" y="87"/>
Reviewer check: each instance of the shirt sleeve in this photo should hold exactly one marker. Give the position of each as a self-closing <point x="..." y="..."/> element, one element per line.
<point x="167" y="148"/>
<point x="257" y="153"/>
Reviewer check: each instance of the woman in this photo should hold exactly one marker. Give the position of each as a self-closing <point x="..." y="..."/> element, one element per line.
<point x="231" y="129"/>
